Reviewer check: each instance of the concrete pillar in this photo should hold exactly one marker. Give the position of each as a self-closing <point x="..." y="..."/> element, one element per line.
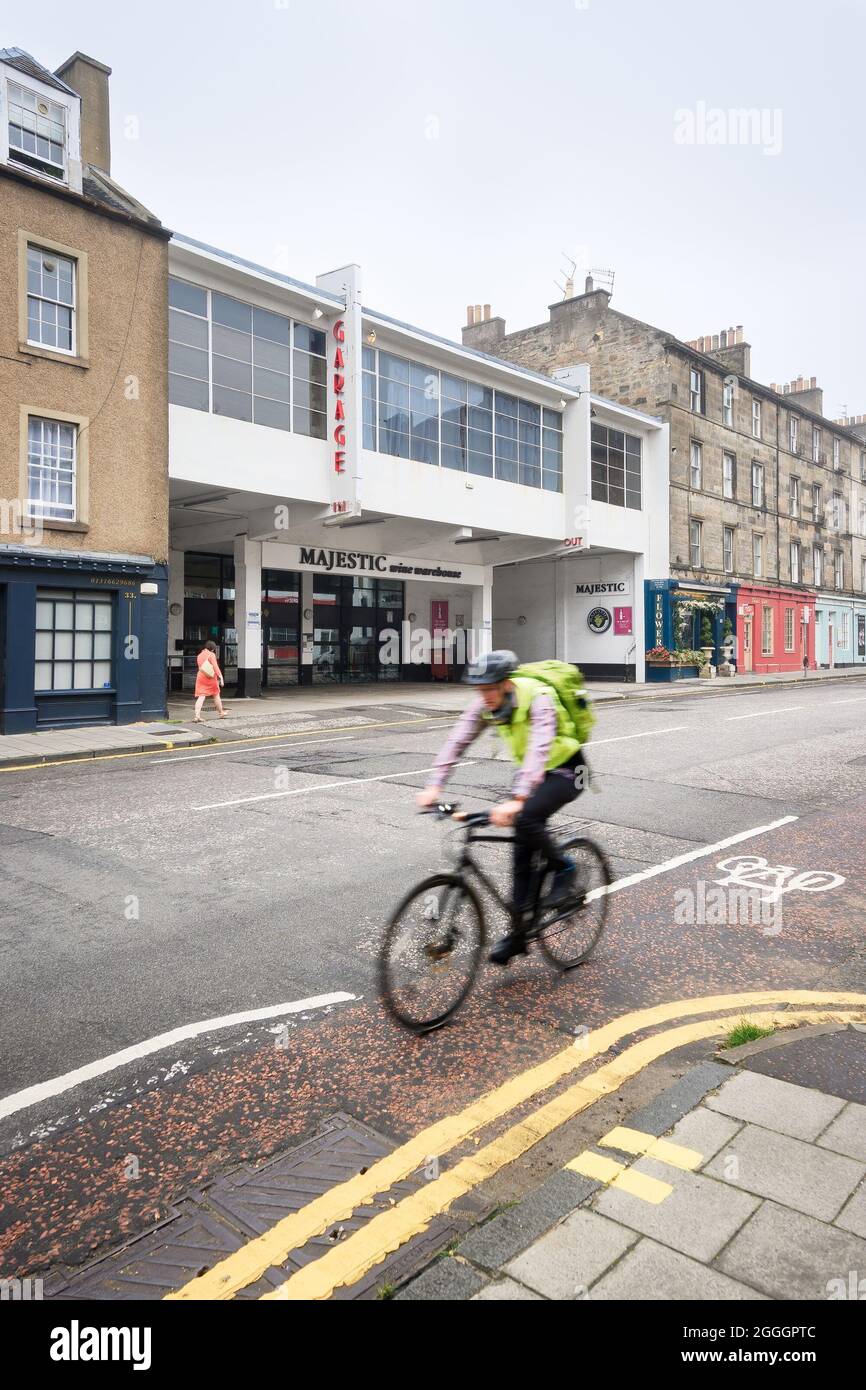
<point x="482" y="615"/>
<point x="248" y="616"/>
<point x="176" y="561"/>
<point x="305" y="668"/>
<point x="562" y="574"/>
<point x="639" y="619"/>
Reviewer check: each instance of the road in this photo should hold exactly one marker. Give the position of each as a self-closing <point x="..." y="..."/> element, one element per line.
<point x="143" y="895"/>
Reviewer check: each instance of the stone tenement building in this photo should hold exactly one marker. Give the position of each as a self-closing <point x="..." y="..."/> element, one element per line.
<point x="83" y="412"/>
<point x="767" y="495"/>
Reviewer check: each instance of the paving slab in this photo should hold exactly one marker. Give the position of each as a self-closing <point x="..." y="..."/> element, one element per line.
<point x="652" y="1272"/>
<point x="835" y="1063"/>
<point x="698" y="1218"/>
<point x="795" y="1174"/>
<point x="847" y="1133"/>
<point x="505" y="1236"/>
<point x="791" y="1256"/>
<point x="506" y="1291"/>
<point x="852" y="1217"/>
<point x="762" y="1100"/>
<point x="705" y="1131"/>
<point x="564" y="1263"/>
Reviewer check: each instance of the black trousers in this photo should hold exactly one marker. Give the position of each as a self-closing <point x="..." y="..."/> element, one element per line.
<point x="559" y="787"/>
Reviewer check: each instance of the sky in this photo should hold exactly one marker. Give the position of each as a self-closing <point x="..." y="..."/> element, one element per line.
<point x="463" y="151"/>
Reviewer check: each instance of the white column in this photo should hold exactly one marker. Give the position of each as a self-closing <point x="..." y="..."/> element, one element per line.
<point x="482" y="615"/>
<point x="639" y="619"/>
<point x="305" y="673"/>
<point x="248" y="615"/>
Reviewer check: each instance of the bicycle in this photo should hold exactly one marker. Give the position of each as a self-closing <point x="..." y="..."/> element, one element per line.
<point x="435" y="939"/>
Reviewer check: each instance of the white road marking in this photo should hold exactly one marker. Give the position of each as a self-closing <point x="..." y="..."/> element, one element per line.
<point x="857" y="701"/>
<point x="237" y="748"/>
<point x="648" y="733"/>
<point x="22" y="1100"/>
<point x="693" y="854"/>
<point x="323" y="787"/>
<point x="784" y="709"/>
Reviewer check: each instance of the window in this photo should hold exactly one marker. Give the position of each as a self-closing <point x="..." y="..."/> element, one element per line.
<point x="862" y="527"/>
<point x="817" y="566"/>
<point x="695" y="543"/>
<point x="837" y="463"/>
<point x="863" y="574"/>
<point x="837" y="515"/>
<point x="729" y="475"/>
<point x="789" y="629"/>
<point x="757" y="485"/>
<point x="794" y="434"/>
<point x="37" y="131"/>
<point x="839" y="569"/>
<point x="817" y="501"/>
<point x="616" y="467"/>
<point x="728" y="548"/>
<point x="50" y="300"/>
<point x="863" y="465"/>
<point x="248" y="363"/>
<point x="795" y="562"/>
<point x="73" y="640"/>
<point x="816" y="444"/>
<point x="756" y="419"/>
<point x="696" y="390"/>
<point x="728" y="404"/>
<point x="845" y="628"/>
<point x="51" y="468"/>
<point x="794" y="497"/>
<point x="757" y="556"/>
<point x="766" y="630"/>
<point x="414" y="411"/>
<point x="696" y="464"/>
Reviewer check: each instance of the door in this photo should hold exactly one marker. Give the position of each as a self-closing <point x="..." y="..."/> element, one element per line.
<point x="747" y="644"/>
<point x="831" y="655"/>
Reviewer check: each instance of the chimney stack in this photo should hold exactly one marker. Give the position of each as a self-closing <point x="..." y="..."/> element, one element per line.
<point x="89" y="79"/>
<point x="589" y="286"/>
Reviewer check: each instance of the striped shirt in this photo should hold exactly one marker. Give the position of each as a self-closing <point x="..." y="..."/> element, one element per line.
<point x="542" y="731"/>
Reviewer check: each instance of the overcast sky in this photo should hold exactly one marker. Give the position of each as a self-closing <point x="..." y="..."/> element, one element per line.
<point x="457" y="149"/>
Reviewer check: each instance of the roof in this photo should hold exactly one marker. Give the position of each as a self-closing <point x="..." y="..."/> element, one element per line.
<point x="96" y="184"/>
<point x="26" y="63"/>
<point x="257" y="269"/>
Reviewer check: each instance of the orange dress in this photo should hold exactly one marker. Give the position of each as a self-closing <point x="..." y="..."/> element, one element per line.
<point x="207" y="685"/>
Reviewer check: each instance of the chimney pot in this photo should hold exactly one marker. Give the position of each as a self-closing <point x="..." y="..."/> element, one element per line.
<point x="486" y="312"/>
<point x="470" y="314"/>
<point x="590" y="285"/>
<point x="739" y="332"/>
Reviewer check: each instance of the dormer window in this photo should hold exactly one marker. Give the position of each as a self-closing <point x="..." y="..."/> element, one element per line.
<point x="37" y="131"/>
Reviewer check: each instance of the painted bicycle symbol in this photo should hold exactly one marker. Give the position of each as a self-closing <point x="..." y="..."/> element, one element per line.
<point x="753" y="871"/>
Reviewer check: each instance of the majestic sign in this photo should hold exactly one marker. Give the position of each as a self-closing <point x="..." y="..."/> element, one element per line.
<point x="612" y="586"/>
<point x="339" y="383"/>
<point x="352" y="561"/>
<point x="598" y="620"/>
<point x="342" y="560"/>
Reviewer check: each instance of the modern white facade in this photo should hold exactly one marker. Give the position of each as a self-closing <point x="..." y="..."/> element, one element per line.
<point x="337" y="476"/>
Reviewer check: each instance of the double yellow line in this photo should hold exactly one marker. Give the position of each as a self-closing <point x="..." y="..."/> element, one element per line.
<point x="353" y="1257"/>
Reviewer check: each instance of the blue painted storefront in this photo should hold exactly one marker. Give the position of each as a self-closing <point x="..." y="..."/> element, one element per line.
<point x="840" y="631"/>
<point x="661" y="597"/>
<point x="137" y="686"/>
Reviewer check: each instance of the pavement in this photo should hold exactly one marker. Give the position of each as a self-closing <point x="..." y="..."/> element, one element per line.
<point x="733" y="1184"/>
<point x="315" y="708"/>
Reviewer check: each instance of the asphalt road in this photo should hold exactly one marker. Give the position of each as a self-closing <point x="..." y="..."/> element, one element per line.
<point x="145" y="894"/>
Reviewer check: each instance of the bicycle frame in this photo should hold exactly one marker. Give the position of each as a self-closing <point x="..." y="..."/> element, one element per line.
<point x="468" y="865"/>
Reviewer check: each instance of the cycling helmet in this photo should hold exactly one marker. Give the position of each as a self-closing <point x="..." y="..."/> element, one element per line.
<point x="491" y="668"/>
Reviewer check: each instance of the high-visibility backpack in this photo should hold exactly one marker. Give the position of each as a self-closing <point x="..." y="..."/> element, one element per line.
<point x="568" y="683"/>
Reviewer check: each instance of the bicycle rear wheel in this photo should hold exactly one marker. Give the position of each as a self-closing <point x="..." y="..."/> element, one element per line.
<point x="570" y="933"/>
<point x="431" y="952"/>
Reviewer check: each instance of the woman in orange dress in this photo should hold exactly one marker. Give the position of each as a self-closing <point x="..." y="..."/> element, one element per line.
<point x="208" y="685"/>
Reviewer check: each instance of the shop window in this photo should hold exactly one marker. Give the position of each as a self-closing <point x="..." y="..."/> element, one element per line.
<point x="73" y="640"/>
<point x="767" y="630"/>
<point x="844" y="628"/>
<point x="789" y="629"/>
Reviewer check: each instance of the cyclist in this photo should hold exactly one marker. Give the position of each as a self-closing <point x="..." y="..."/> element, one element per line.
<point x="539" y="734"/>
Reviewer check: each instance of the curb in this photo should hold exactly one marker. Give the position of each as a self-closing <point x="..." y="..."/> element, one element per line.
<point x="732" y="1056"/>
<point x="94" y="754"/>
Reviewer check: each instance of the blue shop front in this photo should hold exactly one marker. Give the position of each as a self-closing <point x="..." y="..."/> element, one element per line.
<point x="675" y="613"/>
<point x="82" y="639"/>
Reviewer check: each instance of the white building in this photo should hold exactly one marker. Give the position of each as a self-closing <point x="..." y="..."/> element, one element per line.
<point x="337" y="476"/>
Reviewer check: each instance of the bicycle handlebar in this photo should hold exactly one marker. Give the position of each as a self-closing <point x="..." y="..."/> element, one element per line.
<point x="451" y="811"/>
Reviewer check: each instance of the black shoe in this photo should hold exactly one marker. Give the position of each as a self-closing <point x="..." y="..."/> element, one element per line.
<point x="562" y="887"/>
<point x="514" y="944"/>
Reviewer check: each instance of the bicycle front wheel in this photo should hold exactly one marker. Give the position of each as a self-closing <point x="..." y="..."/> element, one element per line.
<point x="431" y="952"/>
<point x="570" y="933"/>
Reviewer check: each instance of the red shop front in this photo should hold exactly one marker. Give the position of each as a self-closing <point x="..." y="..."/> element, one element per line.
<point x="775" y="629"/>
